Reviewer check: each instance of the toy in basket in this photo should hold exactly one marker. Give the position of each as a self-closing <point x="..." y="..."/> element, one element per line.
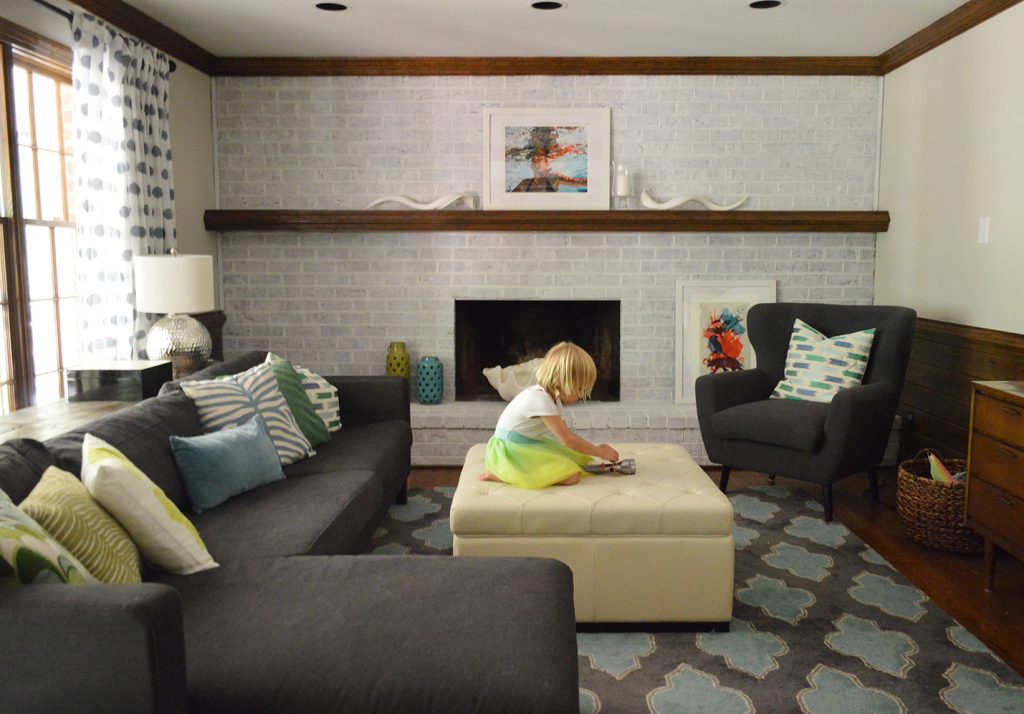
<point x="930" y="503"/>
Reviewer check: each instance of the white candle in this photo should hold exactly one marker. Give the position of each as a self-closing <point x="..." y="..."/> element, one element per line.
<point x="623" y="184"/>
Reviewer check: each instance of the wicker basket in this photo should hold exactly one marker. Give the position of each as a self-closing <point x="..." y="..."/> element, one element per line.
<point x="932" y="512"/>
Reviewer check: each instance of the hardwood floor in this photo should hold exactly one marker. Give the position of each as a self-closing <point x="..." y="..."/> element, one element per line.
<point x="955" y="582"/>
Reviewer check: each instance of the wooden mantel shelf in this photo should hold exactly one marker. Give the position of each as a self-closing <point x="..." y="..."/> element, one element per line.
<point x="679" y="221"/>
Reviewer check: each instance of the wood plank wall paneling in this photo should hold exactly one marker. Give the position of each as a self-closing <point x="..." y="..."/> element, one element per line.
<point x="944" y="360"/>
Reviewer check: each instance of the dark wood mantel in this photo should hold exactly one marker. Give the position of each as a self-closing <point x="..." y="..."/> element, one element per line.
<point x="681" y="221"/>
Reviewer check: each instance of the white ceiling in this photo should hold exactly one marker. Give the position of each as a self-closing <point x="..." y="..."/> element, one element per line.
<point x="240" y="28"/>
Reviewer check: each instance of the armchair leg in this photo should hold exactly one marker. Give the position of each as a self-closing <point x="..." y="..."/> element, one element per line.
<point x="402" y="497"/>
<point x="827" y="501"/>
<point x="873" y="483"/>
<point x="723" y="482"/>
<point x="771" y="479"/>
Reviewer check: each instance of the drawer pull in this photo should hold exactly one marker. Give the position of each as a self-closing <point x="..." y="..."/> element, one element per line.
<point x="1005" y="500"/>
<point x="1007" y="452"/>
<point x="1011" y="410"/>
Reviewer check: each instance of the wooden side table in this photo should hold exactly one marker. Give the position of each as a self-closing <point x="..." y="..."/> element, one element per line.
<point x="995" y="469"/>
<point x="50" y="420"/>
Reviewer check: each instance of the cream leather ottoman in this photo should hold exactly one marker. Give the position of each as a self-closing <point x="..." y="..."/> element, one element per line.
<point x="653" y="547"/>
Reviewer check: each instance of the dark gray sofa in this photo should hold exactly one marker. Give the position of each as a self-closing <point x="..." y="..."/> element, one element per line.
<point x="290" y="621"/>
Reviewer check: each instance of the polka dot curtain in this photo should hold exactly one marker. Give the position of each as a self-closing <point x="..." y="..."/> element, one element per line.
<point x="124" y="189"/>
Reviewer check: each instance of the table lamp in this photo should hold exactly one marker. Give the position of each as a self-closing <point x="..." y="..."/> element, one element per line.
<point x="175" y="285"/>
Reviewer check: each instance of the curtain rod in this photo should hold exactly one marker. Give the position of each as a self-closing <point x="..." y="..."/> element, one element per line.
<point x="68" y="16"/>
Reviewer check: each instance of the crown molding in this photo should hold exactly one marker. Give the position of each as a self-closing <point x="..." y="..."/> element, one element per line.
<point x="452" y="66"/>
<point x="944" y="29"/>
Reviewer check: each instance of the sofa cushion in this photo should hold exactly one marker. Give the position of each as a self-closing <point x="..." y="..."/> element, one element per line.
<point x="223" y="464"/>
<point x="290" y="383"/>
<point x="142" y="433"/>
<point x="324" y="397"/>
<point x="164" y="535"/>
<point x="381" y="634"/>
<point x="781" y="422"/>
<point x="30" y="555"/>
<point x="22" y="463"/>
<point x="61" y="504"/>
<point x="382" y="447"/>
<point x="319" y="514"/>
<point x="818" y="367"/>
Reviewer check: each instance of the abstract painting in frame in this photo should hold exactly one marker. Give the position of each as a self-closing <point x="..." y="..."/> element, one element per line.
<point x="711" y="329"/>
<point x="547" y="159"/>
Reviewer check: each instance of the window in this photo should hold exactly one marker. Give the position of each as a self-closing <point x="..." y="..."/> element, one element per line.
<point x="39" y="301"/>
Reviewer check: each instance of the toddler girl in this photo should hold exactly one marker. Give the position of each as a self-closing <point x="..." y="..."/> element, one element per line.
<point x="532" y="447"/>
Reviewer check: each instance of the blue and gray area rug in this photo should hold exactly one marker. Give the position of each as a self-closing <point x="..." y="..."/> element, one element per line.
<point x="821" y="624"/>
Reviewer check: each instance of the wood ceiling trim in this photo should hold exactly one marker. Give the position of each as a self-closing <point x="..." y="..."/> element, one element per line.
<point x="961" y="20"/>
<point x="494" y="66"/>
<point x="138" y="23"/>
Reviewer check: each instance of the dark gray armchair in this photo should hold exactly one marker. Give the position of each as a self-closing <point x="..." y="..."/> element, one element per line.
<point x="742" y="428"/>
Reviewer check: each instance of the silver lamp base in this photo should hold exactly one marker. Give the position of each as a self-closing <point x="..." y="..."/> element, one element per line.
<point x="183" y="340"/>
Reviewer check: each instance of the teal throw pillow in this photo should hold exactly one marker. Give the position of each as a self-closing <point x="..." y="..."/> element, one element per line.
<point x="30" y="555"/>
<point x="290" y="383"/>
<point x="818" y="367"/>
<point x="214" y="467"/>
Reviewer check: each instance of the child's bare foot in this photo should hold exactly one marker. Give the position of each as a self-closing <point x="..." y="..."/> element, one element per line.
<point x="488" y="476"/>
<point x="574" y="479"/>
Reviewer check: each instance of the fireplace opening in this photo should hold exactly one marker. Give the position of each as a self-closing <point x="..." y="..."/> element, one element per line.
<point x="507" y="332"/>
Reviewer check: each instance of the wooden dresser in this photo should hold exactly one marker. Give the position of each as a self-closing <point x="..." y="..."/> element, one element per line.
<point x="995" y="467"/>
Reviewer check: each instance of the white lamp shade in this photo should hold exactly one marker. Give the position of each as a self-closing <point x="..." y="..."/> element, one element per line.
<point x="170" y="284"/>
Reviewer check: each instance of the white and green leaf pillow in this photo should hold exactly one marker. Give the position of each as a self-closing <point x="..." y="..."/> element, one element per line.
<point x="163" y="534"/>
<point x="818" y="367"/>
<point x="62" y="505"/>
<point x="30" y="555"/>
<point x="324" y="397"/>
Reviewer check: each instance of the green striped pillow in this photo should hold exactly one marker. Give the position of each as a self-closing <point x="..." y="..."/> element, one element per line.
<point x="28" y="554"/>
<point x="818" y="367"/>
<point x="324" y="397"/>
<point x="61" y="504"/>
<point x="290" y="383"/>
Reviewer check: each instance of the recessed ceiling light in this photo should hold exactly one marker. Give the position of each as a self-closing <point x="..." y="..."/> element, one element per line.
<point x="766" y="4"/>
<point x="546" y="5"/>
<point x="332" y="6"/>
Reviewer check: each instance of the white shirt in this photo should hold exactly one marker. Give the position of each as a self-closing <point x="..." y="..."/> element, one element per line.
<point x="522" y="415"/>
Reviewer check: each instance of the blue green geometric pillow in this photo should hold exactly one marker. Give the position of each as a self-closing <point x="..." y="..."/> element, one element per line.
<point x="818" y="367"/>
<point x="30" y="555"/>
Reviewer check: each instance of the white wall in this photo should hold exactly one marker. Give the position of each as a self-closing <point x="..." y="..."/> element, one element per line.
<point x="953" y="151"/>
<point x="191" y="130"/>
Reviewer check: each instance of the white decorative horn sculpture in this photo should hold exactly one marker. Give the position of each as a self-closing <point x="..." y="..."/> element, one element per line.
<point x="647" y="202"/>
<point x="468" y="199"/>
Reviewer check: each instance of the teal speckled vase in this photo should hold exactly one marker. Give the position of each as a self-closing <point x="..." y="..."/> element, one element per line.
<point x="429" y="380"/>
<point x="398" y="360"/>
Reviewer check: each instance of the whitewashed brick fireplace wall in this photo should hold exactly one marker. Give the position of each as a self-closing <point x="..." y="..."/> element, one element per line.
<point x="333" y="302"/>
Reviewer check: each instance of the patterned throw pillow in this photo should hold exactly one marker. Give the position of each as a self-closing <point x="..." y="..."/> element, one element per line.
<point x="290" y="384"/>
<point x="165" y="536"/>
<point x="226" y="403"/>
<point x="324" y="397"/>
<point x="28" y="554"/>
<point x="61" y="504"/>
<point x="818" y="367"/>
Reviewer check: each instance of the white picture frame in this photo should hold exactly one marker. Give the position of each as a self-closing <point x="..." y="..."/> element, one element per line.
<point x="696" y="301"/>
<point x="580" y="181"/>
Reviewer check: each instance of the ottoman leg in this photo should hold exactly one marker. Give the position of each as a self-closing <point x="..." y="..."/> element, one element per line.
<point x="723" y="482"/>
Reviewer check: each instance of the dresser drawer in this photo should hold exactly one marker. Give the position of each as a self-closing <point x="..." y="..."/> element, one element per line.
<point x="999" y="419"/>
<point x="996" y="509"/>
<point x="997" y="463"/>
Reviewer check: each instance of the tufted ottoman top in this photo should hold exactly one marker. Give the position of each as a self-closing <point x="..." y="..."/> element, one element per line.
<point x="669" y="495"/>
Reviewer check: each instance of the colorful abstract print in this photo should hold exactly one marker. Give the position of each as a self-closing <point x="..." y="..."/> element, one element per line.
<point x="724" y="333"/>
<point x="546" y="159"/>
<point x="818" y="367"/>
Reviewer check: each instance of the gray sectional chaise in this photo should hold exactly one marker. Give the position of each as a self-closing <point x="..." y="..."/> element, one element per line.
<point x="291" y="620"/>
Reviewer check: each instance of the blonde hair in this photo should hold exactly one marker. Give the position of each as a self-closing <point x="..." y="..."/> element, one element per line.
<point x="567" y="371"/>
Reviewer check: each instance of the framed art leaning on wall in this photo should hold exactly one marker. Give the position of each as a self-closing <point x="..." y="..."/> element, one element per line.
<point x="547" y="159"/>
<point x="711" y="329"/>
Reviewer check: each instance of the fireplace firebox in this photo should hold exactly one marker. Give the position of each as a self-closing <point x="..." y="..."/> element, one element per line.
<point x="507" y="332"/>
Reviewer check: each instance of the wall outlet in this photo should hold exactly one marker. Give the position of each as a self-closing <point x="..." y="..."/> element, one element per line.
<point x="983" y="230"/>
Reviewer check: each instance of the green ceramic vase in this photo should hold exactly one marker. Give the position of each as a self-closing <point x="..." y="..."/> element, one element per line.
<point x="398" y="360"/>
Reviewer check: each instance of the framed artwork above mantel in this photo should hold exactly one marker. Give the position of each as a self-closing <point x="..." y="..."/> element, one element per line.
<point x="546" y="159"/>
